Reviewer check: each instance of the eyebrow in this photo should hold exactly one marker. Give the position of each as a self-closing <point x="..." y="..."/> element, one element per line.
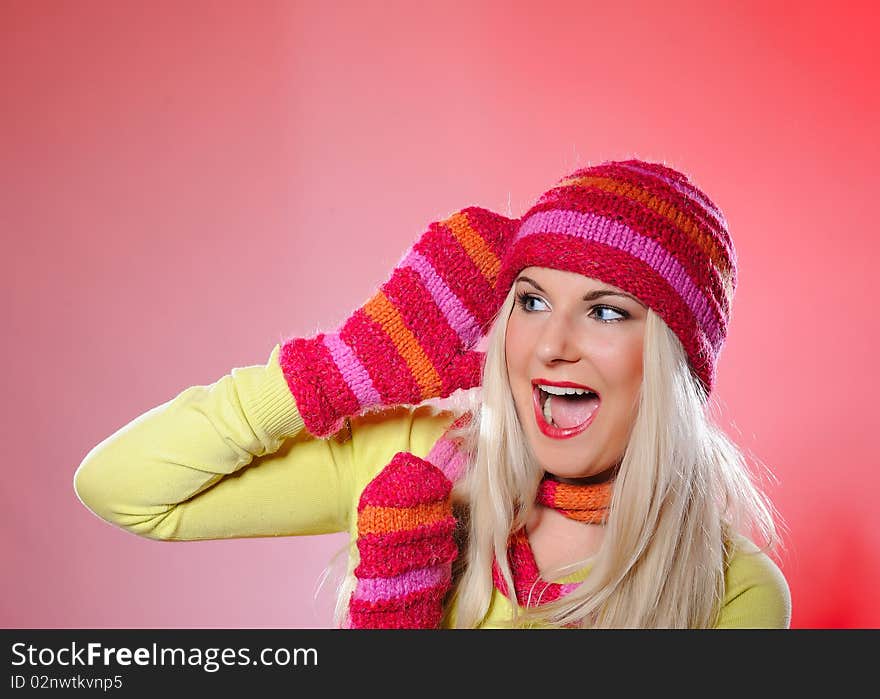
<point x="592" y="296"/>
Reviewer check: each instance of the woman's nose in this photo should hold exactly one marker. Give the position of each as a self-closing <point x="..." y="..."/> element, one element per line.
<point x="557" y="341"/>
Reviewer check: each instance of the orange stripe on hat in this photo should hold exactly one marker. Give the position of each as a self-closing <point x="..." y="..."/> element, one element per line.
<point x="681" y="219"/>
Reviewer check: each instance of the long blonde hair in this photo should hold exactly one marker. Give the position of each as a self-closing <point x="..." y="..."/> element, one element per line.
<point x="682" y="491"/>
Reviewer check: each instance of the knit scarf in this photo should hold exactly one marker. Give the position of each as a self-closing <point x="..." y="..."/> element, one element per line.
<point x="587" y="503"/>
<point x="406" y="538"/>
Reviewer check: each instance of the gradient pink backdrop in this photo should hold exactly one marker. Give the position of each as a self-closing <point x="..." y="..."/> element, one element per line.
<point x="185" y="183"/>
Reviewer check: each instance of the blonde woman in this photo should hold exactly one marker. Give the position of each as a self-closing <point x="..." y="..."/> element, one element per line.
<point x="585" y="485"/>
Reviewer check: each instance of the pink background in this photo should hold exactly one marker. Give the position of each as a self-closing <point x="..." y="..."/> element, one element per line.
<point x="185" y="183"/>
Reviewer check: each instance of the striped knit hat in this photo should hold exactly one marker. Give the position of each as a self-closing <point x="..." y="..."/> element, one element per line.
<point x="647" y="229"/>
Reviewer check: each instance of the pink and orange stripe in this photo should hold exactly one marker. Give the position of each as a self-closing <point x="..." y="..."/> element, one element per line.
<point x="406" y="538"/>
<point x="646" y="228"/>
<point x="409" y="342"/>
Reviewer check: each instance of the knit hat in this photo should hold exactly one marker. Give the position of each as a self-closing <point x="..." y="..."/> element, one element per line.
<point x="647" y="229"/>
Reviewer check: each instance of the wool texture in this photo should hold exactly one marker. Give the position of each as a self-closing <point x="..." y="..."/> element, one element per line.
<point x="584" y="502"/>
<point x="530" y="589"/>
<point x="406" y="538"/>
<point x="640" y="226"/>
<point x="589" y="503"/>
<point x="413" y="339"/>
<point x="644" y="228"/>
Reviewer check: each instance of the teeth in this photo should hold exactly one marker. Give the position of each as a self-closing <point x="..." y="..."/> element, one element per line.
<point x="559" y="391"/>
<point x="547" y="415"/>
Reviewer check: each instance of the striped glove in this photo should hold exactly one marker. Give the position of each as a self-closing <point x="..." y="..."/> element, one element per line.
<point x="406" y="538"/>
<point x="414" y="339"/>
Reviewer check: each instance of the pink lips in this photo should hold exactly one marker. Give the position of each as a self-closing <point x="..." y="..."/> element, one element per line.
<point x="551" y="430"/>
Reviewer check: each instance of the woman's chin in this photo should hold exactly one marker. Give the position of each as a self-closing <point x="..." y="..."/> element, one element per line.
<point x="562" y="468"/>
<point x="581" y="468"/>
<point x="581" y="478"/>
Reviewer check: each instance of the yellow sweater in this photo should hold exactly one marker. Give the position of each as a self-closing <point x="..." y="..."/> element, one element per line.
<point x="233" y="459"/>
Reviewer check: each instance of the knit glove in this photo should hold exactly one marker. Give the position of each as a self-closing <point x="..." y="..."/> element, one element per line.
<point x="414" y="339"/>
<point x="406" y="546"/>
<point x="405" y="538"/>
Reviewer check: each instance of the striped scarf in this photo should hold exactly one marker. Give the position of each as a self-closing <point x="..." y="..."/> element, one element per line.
<point x="406" y="538"/>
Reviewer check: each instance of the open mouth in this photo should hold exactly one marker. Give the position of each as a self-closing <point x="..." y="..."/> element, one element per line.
<point x="564" y="411"/>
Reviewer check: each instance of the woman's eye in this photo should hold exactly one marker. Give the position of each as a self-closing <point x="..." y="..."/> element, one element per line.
<point x="607" y="314"/>
<point x="525" y="301"/>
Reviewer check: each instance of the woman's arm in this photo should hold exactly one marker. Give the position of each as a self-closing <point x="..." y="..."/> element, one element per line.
<point x="226" y="460"/>
<point x="233" y="460"/>
<point x="756" y="592"/>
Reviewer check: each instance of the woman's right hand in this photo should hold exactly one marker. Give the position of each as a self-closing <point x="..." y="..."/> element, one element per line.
<point x="414" y="339"/>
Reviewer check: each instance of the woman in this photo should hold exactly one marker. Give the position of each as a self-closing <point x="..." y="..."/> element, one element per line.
<point x="586" y="486"/>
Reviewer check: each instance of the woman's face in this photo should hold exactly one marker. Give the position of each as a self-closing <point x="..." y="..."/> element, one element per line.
<point x="573" y="330"/>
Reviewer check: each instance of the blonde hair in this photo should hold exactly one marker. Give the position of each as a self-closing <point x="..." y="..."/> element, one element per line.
<point x="682" y="491"/>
